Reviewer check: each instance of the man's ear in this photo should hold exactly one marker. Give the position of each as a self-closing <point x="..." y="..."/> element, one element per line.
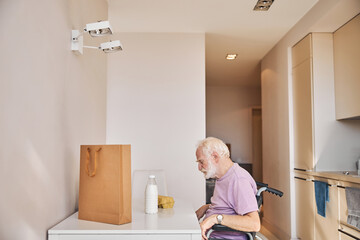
<point x="216" y="156"/>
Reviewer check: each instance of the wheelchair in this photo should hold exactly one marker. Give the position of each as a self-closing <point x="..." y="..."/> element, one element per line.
<point x="262" y="187"/>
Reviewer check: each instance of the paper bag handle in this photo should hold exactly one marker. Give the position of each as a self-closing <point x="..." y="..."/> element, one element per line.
<point x="88" y="162"/>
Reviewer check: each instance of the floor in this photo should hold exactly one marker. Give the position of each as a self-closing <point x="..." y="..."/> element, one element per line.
<point x="264" y="234"/>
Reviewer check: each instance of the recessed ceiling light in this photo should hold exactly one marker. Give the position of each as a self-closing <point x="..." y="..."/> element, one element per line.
<point x="231" y="56"/>
<point x="263" y="5"/>
<point x="265" y="2"/>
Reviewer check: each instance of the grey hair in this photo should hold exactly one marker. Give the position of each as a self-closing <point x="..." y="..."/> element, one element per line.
<point x="211" y="144"/>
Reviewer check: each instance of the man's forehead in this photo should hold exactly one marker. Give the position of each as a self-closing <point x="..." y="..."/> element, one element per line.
<point x="199" y="153"/>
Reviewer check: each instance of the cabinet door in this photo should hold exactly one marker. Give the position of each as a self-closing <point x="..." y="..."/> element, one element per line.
<point x="302" y="102"/>
<point x="346" y="236"/>
<point x="256" y="122"/>
<point x="301" y="50"/>
<point x="327" y="228"/>
<point x="347" y="71"/>
<point x="305" y="208"/>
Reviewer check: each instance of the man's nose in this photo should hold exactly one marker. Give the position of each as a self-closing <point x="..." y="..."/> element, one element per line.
<point x="199" y="166"/>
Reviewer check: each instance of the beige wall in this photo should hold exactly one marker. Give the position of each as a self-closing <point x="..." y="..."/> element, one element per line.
<point x="156" y="103"/>
<point x="325" y="16"/>
<point x="51" y="101"/>
<point x="228" y="117"/>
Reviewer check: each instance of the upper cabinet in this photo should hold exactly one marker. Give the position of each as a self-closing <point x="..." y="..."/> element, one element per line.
<point x="312" y="91"/>
<point x="302" y="100"/>
<point x="347" y="70"/>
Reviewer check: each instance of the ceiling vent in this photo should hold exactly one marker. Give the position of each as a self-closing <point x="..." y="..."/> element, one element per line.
<point x="263" y="5"/>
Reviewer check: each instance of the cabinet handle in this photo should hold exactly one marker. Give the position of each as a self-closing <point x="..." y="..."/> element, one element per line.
<point x="348" y="234"/>
<point x="304" y="179"/>
<point x="310" y="180"/>
<point x="300" y="169"/>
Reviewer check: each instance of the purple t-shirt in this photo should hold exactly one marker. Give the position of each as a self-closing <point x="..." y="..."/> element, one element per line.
<point x="234" y="194"/>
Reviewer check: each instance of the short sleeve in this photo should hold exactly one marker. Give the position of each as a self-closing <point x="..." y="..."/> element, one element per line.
<point x="243" y="197"/>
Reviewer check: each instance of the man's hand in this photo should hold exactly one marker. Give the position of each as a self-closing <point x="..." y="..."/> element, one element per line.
<point x="201" y="211"/>
<point x="249" y="222"/>
<point x="206" y="225"/>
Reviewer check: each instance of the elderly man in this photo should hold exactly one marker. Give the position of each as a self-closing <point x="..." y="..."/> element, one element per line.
<point x="233" y="203"/>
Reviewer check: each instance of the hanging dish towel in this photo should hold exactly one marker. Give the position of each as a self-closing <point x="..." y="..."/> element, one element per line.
<point x="353" y="204"/>
<point x="321" y="197"/>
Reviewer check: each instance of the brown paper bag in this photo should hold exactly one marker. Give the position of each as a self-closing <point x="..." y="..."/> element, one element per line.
<point x="105" y="183"/>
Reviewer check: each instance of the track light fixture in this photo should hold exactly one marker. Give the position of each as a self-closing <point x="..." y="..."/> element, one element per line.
<point x="111" y="46"/>
<point x="101" y="28"/>
<point x="98" y="29"/>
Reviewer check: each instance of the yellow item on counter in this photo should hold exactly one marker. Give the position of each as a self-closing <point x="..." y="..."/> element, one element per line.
<point x="165" y="202"/>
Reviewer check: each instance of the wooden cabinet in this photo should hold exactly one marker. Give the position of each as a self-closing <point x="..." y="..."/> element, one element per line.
<point x="327" y="228"/>
<point x="312" y="72"/>
<point x="305" y="206"/>
<point x="303" y="138"/>
<point x="309" y="224"/>
<point x="256" y="139"/>
<point x="347" y="69"/>
<point x="302" y="103"/>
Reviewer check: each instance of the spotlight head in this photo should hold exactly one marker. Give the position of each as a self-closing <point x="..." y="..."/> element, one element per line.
<point x="101" y="28"/>
<point x="111" y="46"/>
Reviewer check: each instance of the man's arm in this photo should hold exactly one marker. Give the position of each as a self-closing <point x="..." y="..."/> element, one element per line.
<point x="249" y="222"/>
<point x="202" y="210"/>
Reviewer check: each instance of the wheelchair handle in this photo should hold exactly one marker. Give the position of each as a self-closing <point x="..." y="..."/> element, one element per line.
<point x="274" y="191"/>
<point x="260" y="184"/>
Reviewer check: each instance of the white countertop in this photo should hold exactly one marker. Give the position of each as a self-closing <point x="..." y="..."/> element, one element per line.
<point x="177" y="220"/>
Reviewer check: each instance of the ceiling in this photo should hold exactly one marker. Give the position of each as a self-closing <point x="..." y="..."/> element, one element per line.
<point x="230" y="26"/>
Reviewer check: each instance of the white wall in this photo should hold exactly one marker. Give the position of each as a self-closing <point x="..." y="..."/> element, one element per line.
<point x="51" y="101"/>
<point x="156" y="103"/>
<point x="327" y="16"/>
<point x="337" y="143"/>
<point x="228" y="117"/>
